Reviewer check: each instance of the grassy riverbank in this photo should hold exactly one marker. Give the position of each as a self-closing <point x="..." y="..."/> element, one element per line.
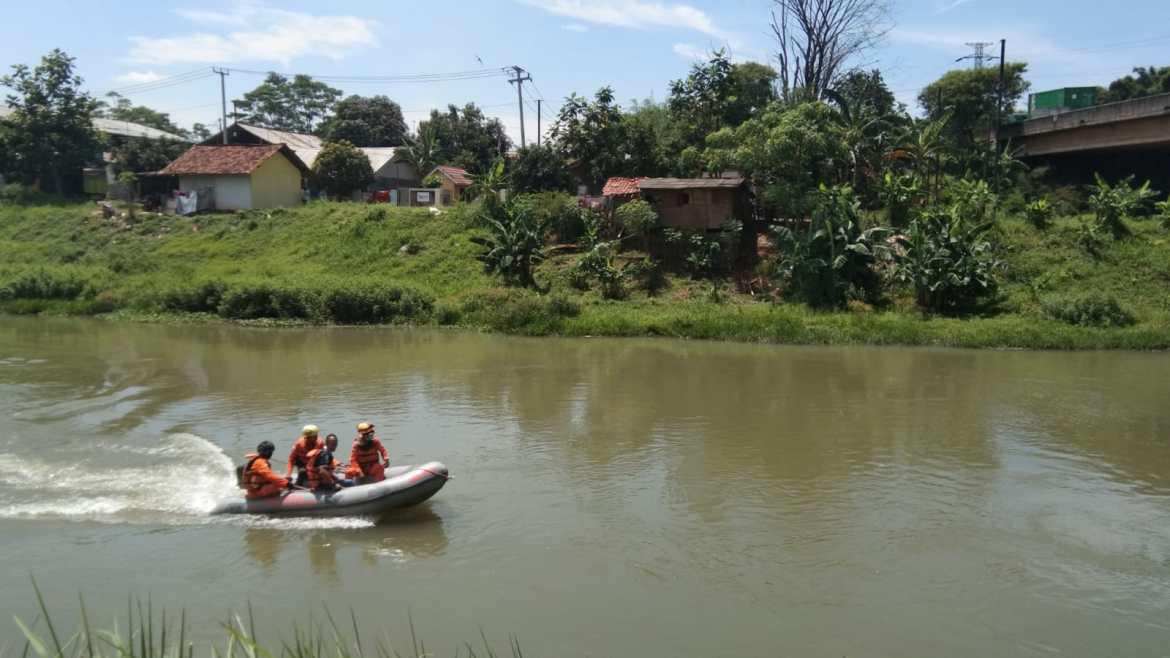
<point x="352" y="263"/>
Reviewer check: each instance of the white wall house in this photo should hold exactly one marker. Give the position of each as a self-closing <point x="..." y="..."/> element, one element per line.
<point x="241" y="177"/>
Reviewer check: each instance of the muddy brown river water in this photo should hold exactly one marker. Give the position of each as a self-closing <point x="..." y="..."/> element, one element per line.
<point x="611" y="497"/>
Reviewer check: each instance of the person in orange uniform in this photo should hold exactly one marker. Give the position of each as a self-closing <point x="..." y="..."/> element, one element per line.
<point x="300" y="450"/>
<point x="259" y="480"/>
<point x="364" y="459"/>
<point x="322" y="467"/>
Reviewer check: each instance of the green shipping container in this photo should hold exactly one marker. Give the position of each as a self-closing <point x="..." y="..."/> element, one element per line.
<point x="1069" y="98"/>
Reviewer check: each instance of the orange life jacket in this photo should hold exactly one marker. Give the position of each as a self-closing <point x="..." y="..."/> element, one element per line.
<point x="258" y="474"/>
<point x="317" y="478"/>
<point x="300" y="449"/>
<point x="363" y="456"/>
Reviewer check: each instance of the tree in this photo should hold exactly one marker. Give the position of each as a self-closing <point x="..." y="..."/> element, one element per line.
<point x="591" y="136"/>
<point x="200" y="132"/>
<point x="296" y="105"/>
<point x="650" y="140"/>
<point x="969" y="97"/>
<point x="1145" y="81"/>
<point x="122" y="109"/>
<point x="341" y="169"/>
<point x="49" y="135"/>
<point x="537" y="169"/>
<point x="719" y="93"/>
<point x="788" y="152"/>
<point x="421" y="151"/>
<point x="868" y="124"/>
<point x="866" y="94"/>
<point x="142" y="153"/>
<point x="818" y="38"/>
<point x="466" y="138"/>
<point x="373" y="121"/>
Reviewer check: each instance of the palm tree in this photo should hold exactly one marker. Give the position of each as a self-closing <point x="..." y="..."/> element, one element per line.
<point x="422" y="150"/>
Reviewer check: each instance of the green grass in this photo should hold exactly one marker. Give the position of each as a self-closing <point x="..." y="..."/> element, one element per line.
<point x="345" y="263"/>
<point x="150" y="635"/>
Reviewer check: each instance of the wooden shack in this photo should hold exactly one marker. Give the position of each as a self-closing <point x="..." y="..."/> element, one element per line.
<point x="694" y="203"/>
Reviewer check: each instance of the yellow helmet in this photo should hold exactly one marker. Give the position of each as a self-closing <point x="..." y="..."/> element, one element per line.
<point x="362" y="428"/>
<point x="310" y="430"/>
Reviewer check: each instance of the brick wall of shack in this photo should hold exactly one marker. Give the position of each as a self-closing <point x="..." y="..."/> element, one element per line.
<point x="695" y="209"/>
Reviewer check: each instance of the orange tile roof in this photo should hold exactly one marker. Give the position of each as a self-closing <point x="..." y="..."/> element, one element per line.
<point x="617" y="186"/>
<point x="458" y="176"/>
<point x="232" y="159"/>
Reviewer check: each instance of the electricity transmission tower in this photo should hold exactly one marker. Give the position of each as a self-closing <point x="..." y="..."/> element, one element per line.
<point x="978" y="56"/>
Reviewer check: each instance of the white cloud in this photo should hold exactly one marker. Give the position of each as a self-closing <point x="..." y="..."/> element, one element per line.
<point x="265" y="35"/>
<point x="632" y="13"/>
<point x="944" y="7"/>
<point x="138" y="77"/>
<point x="575" y="27"/>
<point x="690" y="51"/>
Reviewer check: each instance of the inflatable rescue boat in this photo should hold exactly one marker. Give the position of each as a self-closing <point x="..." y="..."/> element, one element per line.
<point x="404" y="486"/>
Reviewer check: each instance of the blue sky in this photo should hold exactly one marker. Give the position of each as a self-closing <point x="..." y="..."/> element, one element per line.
<point x="636" y="46"/>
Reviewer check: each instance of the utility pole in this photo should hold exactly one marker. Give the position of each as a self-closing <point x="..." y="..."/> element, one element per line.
<point x="519" y="81"/>
<point x="222" y="99"/>
<point x="999" y="106"/>
<point x="538" y="102"/>
<point x="977" y="57"/>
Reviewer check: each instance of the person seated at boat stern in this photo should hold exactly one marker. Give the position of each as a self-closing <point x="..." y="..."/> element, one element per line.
<point x="308" y="441"/>
<point x="257" y="478"/>
<point x="322" y="467"/>
<point x="364" y="459"/>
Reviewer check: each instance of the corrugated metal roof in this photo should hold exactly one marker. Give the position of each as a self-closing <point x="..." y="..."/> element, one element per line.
<point x="116" y="127"/>
<point x="129" y="129"/>
<point x="689" y="183"/>
<point x="295" y="141"/>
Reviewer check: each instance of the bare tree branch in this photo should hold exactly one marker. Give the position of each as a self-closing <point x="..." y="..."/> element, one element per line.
<point x="817" y="39"/>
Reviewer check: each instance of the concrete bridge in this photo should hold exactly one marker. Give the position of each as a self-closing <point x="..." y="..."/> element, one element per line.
<point x="1143" y="123"/>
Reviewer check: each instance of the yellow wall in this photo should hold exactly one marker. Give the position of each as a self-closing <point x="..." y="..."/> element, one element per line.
<point x="276" y="184"/>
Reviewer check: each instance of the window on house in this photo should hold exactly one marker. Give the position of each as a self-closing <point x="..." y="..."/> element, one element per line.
<point x="684" y="199"/>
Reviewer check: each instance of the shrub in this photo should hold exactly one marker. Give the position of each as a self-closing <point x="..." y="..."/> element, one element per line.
<point x="21" y="195"/>
<point x="374" y="303"/>
<point x="1089" y="310"/>
<point x="197" y="297"/>
<point x="556" y="210"/>
<point x="1039" y="213"/>
<point x="263" y="299"/>
<point x="636" y="217"/>
<point x="432" y="180"/>
<point x="47" y="284"/>
<point x="1162" y="210"/>
<point x="1112" y="204"/>
<point x="974" y="200"/>
<point x="949" y="263"/>
<point x="341" y="169"/>
<point x="834" y="258"/>
<point x="518" y="311"/>
<point x="899" y="193"/>
<point x="515" y="242"/>
<point x="599" y="261"/>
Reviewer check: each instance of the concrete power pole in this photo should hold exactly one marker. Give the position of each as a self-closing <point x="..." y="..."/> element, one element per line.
<point x="519" y="81"/>
<point x="538" y="102"/>
<point x="222" y="99"/>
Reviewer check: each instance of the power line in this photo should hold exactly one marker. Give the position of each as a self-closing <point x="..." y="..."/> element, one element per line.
<point x="977" y="56"/>
<point x="163" y="83"/>
<point x="405" y="78"/>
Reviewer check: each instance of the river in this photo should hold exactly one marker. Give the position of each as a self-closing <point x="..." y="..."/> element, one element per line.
<point x="611" y="497"/>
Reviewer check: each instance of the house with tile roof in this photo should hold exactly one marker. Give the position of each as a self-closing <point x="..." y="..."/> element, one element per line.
<point x="453" y="182"/>
<point x="390" y="172"/>
<point x="241" y="177"/>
